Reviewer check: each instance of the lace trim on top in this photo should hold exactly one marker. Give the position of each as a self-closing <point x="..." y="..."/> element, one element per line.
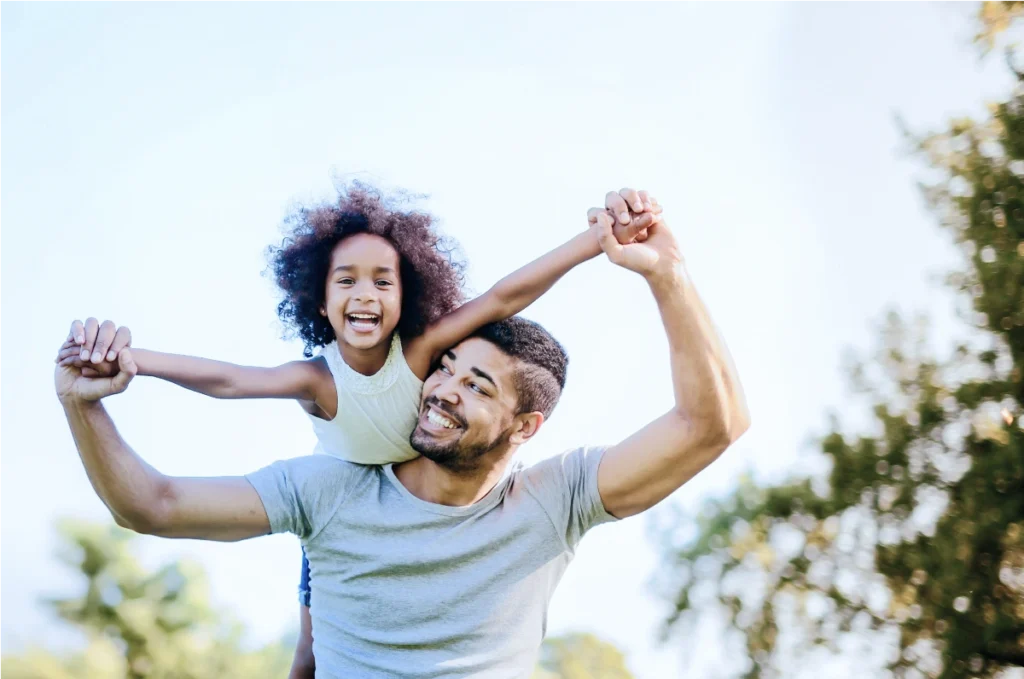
<point x="359" y="383"/>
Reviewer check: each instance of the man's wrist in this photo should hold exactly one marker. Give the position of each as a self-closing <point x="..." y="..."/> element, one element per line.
<point x="668" y="278"/>
<point x="76" y="403"/>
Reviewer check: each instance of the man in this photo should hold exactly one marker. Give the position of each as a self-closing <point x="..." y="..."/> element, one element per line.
<point x="443" y="566"/>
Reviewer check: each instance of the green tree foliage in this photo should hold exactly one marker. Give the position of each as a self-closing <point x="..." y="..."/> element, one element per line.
<point x="914" y="538"/>
<point x="580" y="656"/>
<point x="139" y="623"/>
<point x="994" y="19"/>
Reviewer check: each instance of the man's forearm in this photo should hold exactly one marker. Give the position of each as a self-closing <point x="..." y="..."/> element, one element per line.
<point x="707" y="390"/>
<point x="128" y="486"/>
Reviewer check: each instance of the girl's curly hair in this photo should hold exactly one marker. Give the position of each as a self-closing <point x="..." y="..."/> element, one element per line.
<point x="430" y="271"/>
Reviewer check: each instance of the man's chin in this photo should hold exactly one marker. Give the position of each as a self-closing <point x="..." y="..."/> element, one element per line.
<point x="428" y="445"/>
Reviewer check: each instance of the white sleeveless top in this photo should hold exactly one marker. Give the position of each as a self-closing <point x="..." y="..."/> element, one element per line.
<point x="376" y="413"/>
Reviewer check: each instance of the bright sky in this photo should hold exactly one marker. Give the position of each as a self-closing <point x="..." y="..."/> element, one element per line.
<point x="151" y="151"/>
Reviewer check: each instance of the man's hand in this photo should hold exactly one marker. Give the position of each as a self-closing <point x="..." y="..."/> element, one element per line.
<point x="654" y="252"/>
<point x="94" y="362"/>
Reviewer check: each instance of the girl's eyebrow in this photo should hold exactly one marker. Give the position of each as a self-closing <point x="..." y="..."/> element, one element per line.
<point x="350" y="267"/>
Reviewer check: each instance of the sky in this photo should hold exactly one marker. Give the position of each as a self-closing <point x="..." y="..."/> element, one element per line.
<point x="151" y="151"/>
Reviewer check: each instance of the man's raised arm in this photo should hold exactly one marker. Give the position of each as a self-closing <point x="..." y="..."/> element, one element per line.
<point x="710" y="412"/>
<point x="137" y="495"/>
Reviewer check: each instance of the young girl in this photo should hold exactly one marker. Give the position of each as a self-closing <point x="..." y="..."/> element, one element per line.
<point x="376" y="290"/>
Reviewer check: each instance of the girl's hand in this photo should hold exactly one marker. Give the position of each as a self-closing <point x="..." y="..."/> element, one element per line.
<point x="631" y="213"/>
<point x="94" y="347"/>
<point x="655" y="254"/>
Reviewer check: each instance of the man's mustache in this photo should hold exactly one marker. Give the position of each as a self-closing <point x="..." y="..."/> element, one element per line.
<point x="445" y="408"/>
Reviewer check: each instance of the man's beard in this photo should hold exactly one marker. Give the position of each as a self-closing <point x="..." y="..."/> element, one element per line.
<point x="454" y="455"/>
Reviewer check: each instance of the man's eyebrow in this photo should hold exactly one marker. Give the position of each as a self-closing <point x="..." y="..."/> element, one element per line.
<point x="450" y="355"/>
<point x="481" y="374"/>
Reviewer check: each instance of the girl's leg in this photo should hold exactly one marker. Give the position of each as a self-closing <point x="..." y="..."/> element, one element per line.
<point x="303" y="665"/>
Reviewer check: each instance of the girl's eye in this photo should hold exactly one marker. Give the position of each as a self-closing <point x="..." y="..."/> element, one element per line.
<point x="443" y="368"/>
<point x="383" y="283"/>
<point x="346" y="281"/>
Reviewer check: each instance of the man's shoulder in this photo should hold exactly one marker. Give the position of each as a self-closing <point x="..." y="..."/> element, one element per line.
<point x="558" y="474"/>
<point x="558" y="463"/>
<point x="329" y="462"/>
<point x="565" y="485"/>
<point x="321" y="469"/>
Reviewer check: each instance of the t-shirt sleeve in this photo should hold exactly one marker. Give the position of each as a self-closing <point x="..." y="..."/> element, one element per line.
<point x="302" y="494"/>
<point x="566" y="486"/>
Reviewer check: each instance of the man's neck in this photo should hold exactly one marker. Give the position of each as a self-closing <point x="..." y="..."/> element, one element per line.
<point x="433" y="483"/>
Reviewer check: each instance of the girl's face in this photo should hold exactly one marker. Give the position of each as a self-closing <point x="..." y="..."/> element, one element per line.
<point x="363" y="296"/>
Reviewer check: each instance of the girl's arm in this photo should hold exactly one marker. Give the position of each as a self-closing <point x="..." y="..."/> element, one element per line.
<point x="301" y="380"/>
<point x="309" y="381"/>
<point x="509" y="296"/>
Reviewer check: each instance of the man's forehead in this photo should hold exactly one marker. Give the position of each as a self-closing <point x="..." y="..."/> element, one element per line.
<point x="483" y="355"/>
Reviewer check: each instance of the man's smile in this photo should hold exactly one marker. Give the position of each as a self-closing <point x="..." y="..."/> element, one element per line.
<point x="436" y="420"/>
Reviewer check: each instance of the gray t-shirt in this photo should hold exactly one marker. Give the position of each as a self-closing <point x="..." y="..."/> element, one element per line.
<point x="407" y="588"/>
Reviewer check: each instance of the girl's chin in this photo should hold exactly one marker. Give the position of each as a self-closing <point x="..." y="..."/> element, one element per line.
<point x="364" y="337"/>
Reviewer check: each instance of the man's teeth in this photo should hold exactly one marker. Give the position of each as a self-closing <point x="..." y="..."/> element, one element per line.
<point x="439" y="420"/>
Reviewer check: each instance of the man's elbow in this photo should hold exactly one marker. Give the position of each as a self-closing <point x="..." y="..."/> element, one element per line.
<point x="151" y="517"/>
<point x="736" y="424"/>
<point x="718" y="431"/>
<point x="144" y="522"/>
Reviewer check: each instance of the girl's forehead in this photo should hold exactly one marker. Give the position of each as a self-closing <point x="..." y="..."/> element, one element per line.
<point x="364" y="248"/>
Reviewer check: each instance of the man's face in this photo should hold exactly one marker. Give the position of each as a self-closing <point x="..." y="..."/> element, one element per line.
<point x="469" y="406"/>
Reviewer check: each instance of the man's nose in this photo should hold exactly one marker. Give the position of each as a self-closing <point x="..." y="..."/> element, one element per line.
<point x="447" y="391"/>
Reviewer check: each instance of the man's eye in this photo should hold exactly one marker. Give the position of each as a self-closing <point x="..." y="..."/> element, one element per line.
<point x="476" y="387"/>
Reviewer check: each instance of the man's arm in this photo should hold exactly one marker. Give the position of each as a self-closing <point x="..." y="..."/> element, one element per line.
<point x="146" y="501"/>
<point x="137" y="495"/>
<point x="710" y="411"/>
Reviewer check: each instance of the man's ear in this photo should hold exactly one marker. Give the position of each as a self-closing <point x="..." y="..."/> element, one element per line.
<point x="526" y="426"/>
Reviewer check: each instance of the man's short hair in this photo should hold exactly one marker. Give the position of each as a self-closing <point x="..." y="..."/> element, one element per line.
<point x="540" y="376"/>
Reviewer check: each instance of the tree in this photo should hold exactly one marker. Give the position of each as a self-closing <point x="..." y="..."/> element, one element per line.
<point x="915" y="536"/>
<point x="142" y="624"/>
<point x="580" y="656"/>
<point x="994" y="19"/>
